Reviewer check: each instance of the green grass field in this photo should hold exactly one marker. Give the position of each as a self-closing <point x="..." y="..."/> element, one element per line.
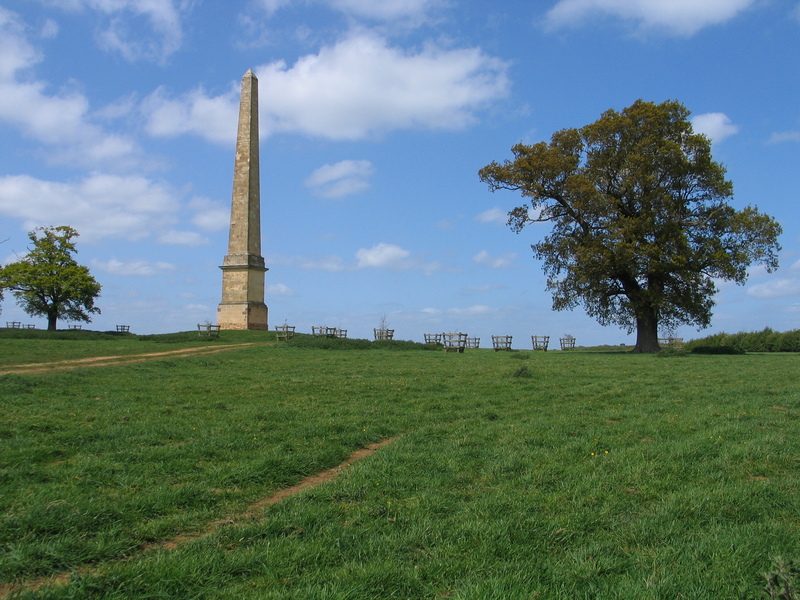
<point x="511" y="475"/>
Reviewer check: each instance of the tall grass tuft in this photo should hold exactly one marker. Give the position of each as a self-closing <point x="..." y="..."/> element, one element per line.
<point x="784" y="580"/>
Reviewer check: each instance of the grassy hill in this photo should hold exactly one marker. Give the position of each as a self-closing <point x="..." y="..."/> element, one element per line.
<point x="510" y="474"/>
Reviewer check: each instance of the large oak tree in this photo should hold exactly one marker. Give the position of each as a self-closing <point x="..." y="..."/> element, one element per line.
<point x="641" y="225"/>
<point x="49" y="282"/>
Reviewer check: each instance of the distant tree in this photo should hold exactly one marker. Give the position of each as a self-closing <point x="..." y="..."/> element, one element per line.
<point x="49" y="282"/>
<point x="641" y="224"/>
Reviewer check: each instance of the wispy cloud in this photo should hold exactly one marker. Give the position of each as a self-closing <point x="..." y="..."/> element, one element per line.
<point x="133" y="267"/>
<point x="341" y="179"/>
<point x="279" y="289"/>
<point x="485" y="288"/>
<point x="63" y="120"/>
<point x="676" y="17"/>
<point x="120" y="19"/>
<point x="458" y="312"/>
<point x="493" y="215"/>
<point x="500" y="261"/>
<point x="784" y="136"/>
<point x="776" y="288"/>
<point x="413" y="11"/>
<point x="209" y="215"/>
<point x="182" y="238"/>
<point x="380" y="256"/>
<point x="331" y="263"/>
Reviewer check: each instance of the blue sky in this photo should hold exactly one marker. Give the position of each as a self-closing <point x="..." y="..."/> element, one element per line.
<point x="118" y="118"/>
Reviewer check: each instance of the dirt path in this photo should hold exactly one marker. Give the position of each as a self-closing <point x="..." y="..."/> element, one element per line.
<point x="253" y="512"/>
<point x="104" y="361"/>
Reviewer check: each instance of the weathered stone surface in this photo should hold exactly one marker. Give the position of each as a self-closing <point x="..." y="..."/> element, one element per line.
<point x="243" y="268"/>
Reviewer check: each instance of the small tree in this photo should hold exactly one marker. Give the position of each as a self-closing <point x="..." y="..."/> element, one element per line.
<point x="49" y="282"/>
<point x="641" y="224"/>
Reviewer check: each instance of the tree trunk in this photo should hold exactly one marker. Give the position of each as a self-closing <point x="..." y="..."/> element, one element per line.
<point x="647" y="334"/>
<point x="52" y="318"/>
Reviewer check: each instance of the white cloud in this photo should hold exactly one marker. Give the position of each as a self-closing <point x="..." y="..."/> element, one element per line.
<point x="359" y="88"/>
<point x="331" y="263"/>
<point x="470" y="311"/>
<point x="279" y="289"/>
<point x="785" y="136"/>
<point x="133" y="267"/>
<point x="271" y="6"/>
<point x="380" y="256"/>
<point x="211" y="117"/>
<point x="386" y="10"/>
<point x="122" y="31"/>
<point x="49" y="30"/>
<point x="678" y="17"/>
<point x="493" y="215"/>
<point x="485" y="288"/>
<point x="362" y="87"/>
<point x="501" y="261"/>
<point x="716" y="126"/>
<point x="344" y="178"/>
<point x="383" y="256"/>
<point x="99" y="206"/>
<point x="182" y="238"/>
<point x="59" y="120"/>
<point x="381" y="10"/>
<point x="15" y="51"/>
<point x="477" y="310"/>
<point x="777" y="288"/>
<point x="210" y="215"/>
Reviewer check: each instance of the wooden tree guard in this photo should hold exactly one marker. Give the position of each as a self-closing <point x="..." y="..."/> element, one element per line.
<point x="501" y="342"/>
<point x="433" y="338"/>
<point x="205" y="329"/>
<point x="383" y="334"/>
<point x="284" y="332"/>
<point x="322" y="331"/>
<point x="567" y="342"/>
<point x="454" y="342"/>
<point x="672" y="342"/>
<point x="540" y="342"/>
<point x="473" y="342"/>
<point x="340" y="333"/>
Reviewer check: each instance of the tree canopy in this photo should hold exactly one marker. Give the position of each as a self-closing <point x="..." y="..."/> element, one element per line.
<point x="49" y="282"/>
<point x="641" y="224"/>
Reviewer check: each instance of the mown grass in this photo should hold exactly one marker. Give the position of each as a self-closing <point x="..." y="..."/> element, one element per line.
<point x="593" y="475"/>
<point x="19" y="346"/>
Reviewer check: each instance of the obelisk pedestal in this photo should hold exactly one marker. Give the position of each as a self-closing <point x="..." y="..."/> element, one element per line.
<point x="243" y="269"/>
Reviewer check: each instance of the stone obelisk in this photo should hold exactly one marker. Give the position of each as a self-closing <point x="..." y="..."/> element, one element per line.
<point x="243" y="269"/>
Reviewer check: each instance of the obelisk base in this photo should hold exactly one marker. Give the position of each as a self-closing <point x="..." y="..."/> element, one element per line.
<point x="250" y="316"/>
